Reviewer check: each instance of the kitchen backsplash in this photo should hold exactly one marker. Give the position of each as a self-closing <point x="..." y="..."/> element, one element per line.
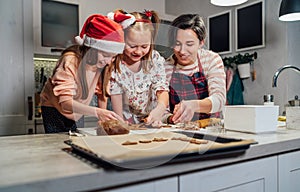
<point x="43" y="68"/>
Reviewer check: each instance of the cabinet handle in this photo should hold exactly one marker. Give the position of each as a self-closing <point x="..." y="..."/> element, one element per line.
<point x="30" y="108"/>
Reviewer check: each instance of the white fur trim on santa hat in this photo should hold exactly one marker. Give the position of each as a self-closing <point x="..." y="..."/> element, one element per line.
<point x="79" y="40"/>
<point x="104" y="45"/>
<point x="111" y="15"/>
<point x="126" y="23"/>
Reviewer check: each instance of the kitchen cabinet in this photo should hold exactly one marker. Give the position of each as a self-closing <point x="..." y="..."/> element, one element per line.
<point x="169" y="184"/>
<point x="256" y="175"/>
<point x="17" y="79"/>
<point x="289" y="172"/>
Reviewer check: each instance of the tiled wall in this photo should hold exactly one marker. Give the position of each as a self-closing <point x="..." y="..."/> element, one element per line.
<point x="48" y="66"/>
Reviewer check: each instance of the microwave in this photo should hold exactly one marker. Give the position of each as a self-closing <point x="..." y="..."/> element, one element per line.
<point x="55" y="24"/>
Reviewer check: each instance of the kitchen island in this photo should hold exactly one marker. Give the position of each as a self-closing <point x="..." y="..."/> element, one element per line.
<point x="42" y="163"/>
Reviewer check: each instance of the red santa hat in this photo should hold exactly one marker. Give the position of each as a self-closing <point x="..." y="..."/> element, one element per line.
<point x="105" y="33"/>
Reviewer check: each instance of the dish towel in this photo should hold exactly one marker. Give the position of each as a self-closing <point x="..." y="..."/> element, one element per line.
<point x="235" y="92"/>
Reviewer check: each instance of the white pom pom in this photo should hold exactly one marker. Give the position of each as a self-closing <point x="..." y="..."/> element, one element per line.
<point x="126" y="23"/>
<point x="111" y="15"/>
<point x="79" y="40"/>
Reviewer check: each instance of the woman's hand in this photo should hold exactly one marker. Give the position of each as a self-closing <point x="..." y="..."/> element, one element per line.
<point x="184" y="111"/>
<point x="104" y="115"/>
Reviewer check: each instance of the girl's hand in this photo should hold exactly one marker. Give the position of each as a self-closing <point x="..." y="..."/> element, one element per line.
<point x="184" y="111"/>
<point x="156" y="115"/>
<point x="156" y="124"/>
<point x="104" y="115"/>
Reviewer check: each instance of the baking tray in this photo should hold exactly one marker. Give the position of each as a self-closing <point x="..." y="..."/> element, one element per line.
<point x="108" y="151"/>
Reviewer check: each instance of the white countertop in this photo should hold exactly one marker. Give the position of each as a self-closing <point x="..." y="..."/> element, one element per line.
<point x="40" y="163"/>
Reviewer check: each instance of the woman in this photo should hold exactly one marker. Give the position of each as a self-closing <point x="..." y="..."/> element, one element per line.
<point x="77" y="76"/>
<point x="196" y="75"/>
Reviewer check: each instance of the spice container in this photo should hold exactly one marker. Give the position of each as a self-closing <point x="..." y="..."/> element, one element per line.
<point x="293" y="114"/>
<point x="295" y="102"/>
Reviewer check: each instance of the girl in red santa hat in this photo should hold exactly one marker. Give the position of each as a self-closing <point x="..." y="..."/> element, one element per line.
<point x="138" y="86"/>
<point x="77" y="76"/>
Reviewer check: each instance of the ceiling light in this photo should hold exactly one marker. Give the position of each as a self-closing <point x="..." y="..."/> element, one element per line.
<point x="227" y="2"/>
<point x="289" y="10"/>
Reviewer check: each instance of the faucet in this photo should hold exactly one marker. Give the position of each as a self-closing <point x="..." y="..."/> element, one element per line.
<point x="274" y="83"/>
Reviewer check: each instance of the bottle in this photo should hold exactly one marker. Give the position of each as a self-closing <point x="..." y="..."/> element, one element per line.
<point x="268" y="99"/>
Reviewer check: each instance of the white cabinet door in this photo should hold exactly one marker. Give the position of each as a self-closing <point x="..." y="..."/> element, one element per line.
<point x="16" y="61"/>
<point x="169" y="184"/>
<point x="257" y="175"/>
<point x="289" y="172"/>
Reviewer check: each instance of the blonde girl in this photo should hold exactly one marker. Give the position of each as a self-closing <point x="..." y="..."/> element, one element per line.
<point x="138" y="86"/>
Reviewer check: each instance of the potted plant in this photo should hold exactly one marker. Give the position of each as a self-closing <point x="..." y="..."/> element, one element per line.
<point x="228" y="61"/>
<point x="243" y="63"/>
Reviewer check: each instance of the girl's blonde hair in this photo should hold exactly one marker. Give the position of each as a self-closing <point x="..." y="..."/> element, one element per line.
<point x="145" y="21"/>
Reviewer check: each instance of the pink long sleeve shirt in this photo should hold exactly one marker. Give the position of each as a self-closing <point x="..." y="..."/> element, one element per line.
<point x="64" y="85"/>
